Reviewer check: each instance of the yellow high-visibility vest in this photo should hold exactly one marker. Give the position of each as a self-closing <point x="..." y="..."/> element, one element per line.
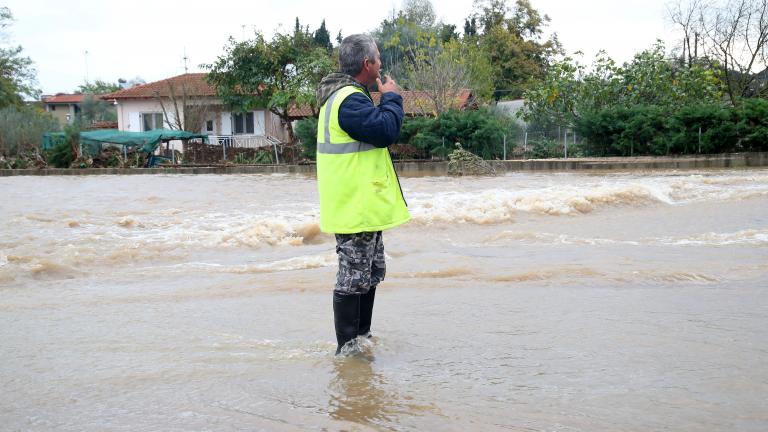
<point x="358" y="186"/>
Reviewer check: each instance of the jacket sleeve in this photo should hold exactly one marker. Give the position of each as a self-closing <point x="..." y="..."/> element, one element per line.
<point x="377" y="125"/>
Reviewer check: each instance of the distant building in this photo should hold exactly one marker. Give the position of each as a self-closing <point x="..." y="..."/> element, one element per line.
<point x="64" y="107"/>
<point x="67" y="108"/>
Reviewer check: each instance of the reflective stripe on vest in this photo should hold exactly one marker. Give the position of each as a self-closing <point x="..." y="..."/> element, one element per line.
<point x="341" y="148"/>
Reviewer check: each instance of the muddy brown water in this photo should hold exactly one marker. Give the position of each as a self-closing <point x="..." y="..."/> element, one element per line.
<point x="619" y="301"/>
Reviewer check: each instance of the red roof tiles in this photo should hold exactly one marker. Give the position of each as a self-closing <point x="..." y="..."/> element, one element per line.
<point x="62" y="98"/>
<point x="194" y="84"/>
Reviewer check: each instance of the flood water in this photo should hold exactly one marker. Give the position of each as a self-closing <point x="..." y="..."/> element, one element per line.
<point x="528" y="302"/>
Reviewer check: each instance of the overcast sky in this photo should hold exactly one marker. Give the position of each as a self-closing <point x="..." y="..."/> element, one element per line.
<point x="148" y="38"/>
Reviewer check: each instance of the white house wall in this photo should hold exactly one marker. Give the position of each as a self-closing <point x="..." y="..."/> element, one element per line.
<point x="129" y="113"/>
<point x="226" y="123"/>
<point x="129" y="118"/>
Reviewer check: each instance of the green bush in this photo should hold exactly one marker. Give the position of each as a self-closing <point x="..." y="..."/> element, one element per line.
<point x="306" y="132"/>
<point x="651" y="130"/>
<point x="478" y="131"/>
<point x="62" y="154"/>
<point x="752" y="117"/>
<point x="645" y="131"/>
<point x="601" y="130"/>
<point x="22" y="129"/>
<point x="718" y="129"/>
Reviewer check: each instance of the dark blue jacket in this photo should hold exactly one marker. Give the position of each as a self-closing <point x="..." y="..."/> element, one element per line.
<point x="377" y="125"/>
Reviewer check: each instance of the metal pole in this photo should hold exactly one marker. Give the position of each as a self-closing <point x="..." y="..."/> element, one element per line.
<point x="224" y="149"/>
<point x="525" y="143"/>
<point x="699" y="139"/>
<point x="505" y="146"/>
<point x="565" y="143"/>
<point x="277" y="161"/>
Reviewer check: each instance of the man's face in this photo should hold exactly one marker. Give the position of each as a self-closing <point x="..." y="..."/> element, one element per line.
<point x="374" y="68"/>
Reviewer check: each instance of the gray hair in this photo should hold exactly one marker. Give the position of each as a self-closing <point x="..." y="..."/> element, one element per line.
<point x="353" y="50"/>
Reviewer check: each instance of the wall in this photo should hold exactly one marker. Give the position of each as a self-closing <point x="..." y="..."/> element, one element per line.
<point x="61" y="112"/>
<point x="411" y="169"/>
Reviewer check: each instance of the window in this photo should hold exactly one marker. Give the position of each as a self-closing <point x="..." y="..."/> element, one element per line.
<point x="151" y="121"/>
<point x="209" y="126"/>
<point x="243" y="123"/>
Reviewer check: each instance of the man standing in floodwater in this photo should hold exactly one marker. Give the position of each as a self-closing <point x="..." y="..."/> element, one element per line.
<point x="360" y="194"/>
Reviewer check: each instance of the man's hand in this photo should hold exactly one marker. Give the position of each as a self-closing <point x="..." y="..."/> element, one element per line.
<point x="389" y="86"/>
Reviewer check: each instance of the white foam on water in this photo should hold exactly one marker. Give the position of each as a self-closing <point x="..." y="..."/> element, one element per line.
<point x="499" y="205"/>
<point x="565" y="239"/>
<point x="306" y="262"/>
<point x="750" y="237"/>
<point x="745" y="237"/>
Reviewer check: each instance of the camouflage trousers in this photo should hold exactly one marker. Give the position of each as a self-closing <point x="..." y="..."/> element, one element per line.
<point x="361" y="262"/>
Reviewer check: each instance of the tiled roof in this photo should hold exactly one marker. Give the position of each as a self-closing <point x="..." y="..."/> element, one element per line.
<point x="195" y="84"/>
<point x="62" y="98"/>
<point x="414" y="103"/>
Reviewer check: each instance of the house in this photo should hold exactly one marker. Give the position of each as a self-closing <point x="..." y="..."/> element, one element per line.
<point x="67" y="107"/>
<point x="188" y="102"/>
<point x="63" y="107"/>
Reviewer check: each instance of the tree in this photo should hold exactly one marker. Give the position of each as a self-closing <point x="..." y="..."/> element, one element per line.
<point x="22" y="128"/>
<point x="419" y="12"/>
<point x="686" y="16"/>
<point x="399" y="40"/>
<point x="18" y="77"/>
<point x="322" y="37"/>
<point x="512" y="39"/>
<point x="94" y="109"/>
<point x="274" y="74"/>
<point x="444" y="70"/>
<point x="181" y="112"/>
<point x="569" y="91"/>
<point x="734" y="42"/>
<point x="97" y="87"/>
<point x="470" y="27"/>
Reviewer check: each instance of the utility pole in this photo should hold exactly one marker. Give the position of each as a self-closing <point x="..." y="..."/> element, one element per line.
<point x="86" y="66"/>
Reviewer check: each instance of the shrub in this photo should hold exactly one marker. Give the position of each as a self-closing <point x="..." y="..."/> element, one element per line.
<point x="306" y="132"/>
<point x="478" y="131"/>
<point x="752" y="117"/>
<point x="63" y="154"/>
<point x="717" y="125"/>
<point x="22" y="129"/>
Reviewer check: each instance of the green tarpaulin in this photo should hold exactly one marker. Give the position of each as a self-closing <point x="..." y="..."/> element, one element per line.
<point x="147" y="141"/>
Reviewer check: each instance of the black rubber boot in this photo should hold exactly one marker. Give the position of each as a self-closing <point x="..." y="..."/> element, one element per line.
<point x="366" y="312"/>
<point x="346" y="317"/>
